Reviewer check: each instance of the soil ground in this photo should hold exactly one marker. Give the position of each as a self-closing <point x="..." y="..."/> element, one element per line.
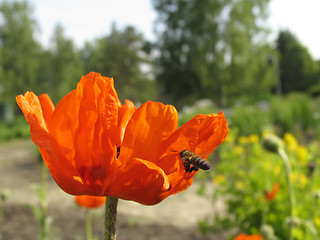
<point x="174" y="218"/>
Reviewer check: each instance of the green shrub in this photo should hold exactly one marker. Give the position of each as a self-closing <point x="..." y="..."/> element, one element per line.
<point x="248" y="120"/>
<point x="19" y="128"/>
<point x="292" y="113"/>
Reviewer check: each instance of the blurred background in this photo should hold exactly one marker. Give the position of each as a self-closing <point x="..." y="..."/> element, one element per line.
<point x="256" y="60"/>
<point x="227" y="54"/>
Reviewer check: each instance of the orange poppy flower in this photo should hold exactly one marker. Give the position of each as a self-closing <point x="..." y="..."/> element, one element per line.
<point x="271" y="195"/>
<point x="80" y="142"/>
<point x="87" y="201"/>
<point x="243" y="236"/>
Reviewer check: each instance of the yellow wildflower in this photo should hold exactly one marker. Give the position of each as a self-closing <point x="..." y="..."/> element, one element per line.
<point x="290" y="141"/>
<point x="303" y="180"/>
<point x="253" y="138"/>
<point x="266" y="133"/>
<point x="239" y="185"/>
<point x="239" y="150"/>
<point x="219" y="179"/>
<point x="317" y="222"/>
<point x="276" y="170"/>
<point x="268" y="166"/>
<point x="243" y="140"/>
<point x="293" y="177"/>
<point x="302" y="154"/>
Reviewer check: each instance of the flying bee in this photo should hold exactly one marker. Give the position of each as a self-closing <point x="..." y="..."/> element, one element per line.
<point x="193" y="162"/>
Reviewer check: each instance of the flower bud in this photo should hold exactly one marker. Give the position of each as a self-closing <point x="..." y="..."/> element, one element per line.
<point x="267" y="231"/>
<point x="272" y="143"/>
<point x="294" y="221"/>
<point x="317" y="195"/>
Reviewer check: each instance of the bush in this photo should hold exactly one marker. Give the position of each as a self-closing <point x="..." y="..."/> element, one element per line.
<point x="246" y="171"/>
<point x="292" y="113"/>
<point x="246" y="120"/>
<point x="19" y="128"/>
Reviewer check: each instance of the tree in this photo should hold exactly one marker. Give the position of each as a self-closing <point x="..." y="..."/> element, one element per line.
<point x="19" y="51"/>
<point x="63" y="65"/>
<point x="298" y="71"/>
<point x="247" y="72"/>
<point x="188" y="47"/>
<point x="120" y="55"/>
<point x="211" y="49"/>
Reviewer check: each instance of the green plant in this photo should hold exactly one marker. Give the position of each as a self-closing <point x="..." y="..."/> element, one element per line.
<point x="246" y="171"/>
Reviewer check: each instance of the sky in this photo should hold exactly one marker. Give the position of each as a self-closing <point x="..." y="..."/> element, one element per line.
<point x="85" y="20"/>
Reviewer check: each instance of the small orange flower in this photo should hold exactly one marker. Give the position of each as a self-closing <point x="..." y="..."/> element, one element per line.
<point x="86" y="201"/>
<point x="271" y="195"/>
<point x="243" y="236"/>
<point x="80" y="142"/>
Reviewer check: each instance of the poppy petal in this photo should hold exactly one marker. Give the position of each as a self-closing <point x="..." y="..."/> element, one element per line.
<point x="141" y="181"/>
<point x="124" y="114"/>
<point x="31" y="106"/>
<point x="84" y="124"/>
<point x="47" y="107"/>
<point x="148" y="127"/>
<point x="201" y="135"/>
<point x="87" y="201"/>
<point x="212" y="131"/>
<point x="85" y="121"/>
<point x="32" y="110"/>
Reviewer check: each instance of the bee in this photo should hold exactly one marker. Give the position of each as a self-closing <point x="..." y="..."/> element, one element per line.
<point x="193" y="162"/>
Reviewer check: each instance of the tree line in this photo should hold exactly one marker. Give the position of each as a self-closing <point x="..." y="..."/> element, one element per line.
<point x="204" y="49"/>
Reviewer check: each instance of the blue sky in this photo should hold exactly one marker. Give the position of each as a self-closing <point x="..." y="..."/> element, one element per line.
<point x="85" y="20"/>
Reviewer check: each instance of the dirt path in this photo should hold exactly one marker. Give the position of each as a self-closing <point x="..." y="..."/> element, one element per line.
<point x="20" y="170"/>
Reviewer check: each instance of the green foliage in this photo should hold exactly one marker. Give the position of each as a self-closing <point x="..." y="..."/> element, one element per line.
<point x="203" y="106"/>
<point x="247" y="71"/>
<point x="245" y="171"/>
<point x="212" y="49"/>
<point x="293" y="113"/>
<point x="121" y="55"/>
<point x="19" y="128"/>
<point x="298" y="71"/>
<point x="249" y="119"/>
<point x="18" y="50"/>
<point x="187" y="66"/>
<point x="297" y="113"/>
<point x="63" y="66"/>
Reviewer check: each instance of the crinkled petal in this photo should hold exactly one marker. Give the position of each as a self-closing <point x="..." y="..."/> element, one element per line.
<point x="47" y="107"/>
<point x="141" y="181"/>
<point x="84" y="124"/>
<point x="33" y="109"/>
<point x="77" y="139"/>
<point x="148" y="127"/>
<point x="202" y="134"/>
<point x="124" y="115"/>
<point x="33" y="112"/>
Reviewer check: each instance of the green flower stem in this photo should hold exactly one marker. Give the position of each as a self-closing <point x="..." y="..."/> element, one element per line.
<point x="88" y="225"/>
<point x="110" y="218"/>
<point x="1" y="216"/>
<point x="43" y="200"/>
<point x="285" y="159"/>
<point x="264" y="214"/>
<point x="43" y="203"/>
